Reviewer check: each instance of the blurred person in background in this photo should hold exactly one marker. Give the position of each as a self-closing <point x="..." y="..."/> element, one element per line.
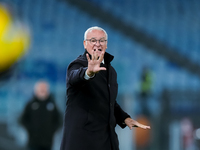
<point x="92" y="111"/>
<point x="187" y="134"/>
<point x="145" y="90"/>
<point x="41" y="118"/>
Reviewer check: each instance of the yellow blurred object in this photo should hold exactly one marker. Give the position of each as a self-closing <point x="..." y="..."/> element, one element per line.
<point x="14" y="39"/>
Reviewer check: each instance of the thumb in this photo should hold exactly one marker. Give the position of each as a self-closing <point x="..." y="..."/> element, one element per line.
<point x="130" y="127"/>
<point x="102" y="68"/>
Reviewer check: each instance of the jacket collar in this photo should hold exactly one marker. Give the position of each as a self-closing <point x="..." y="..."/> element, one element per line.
<point x="107" y="57"/>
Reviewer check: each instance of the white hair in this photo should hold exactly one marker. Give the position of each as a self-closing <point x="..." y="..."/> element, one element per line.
<point x="94" y="28"/>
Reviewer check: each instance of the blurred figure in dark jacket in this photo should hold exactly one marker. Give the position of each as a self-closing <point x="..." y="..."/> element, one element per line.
<point x="41" y="118"/>
<point x="146" y="90"/>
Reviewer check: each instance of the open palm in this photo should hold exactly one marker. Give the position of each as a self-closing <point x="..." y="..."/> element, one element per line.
<point x="94" y="63"/>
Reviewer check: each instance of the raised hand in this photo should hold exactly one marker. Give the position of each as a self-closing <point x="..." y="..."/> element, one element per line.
<point x="94" y="63"/>
<point x="132" y="123"/>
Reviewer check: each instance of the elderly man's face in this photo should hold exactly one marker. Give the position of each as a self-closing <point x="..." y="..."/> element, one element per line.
<point x="42" y="90"/>
<point x="100" y="45"/>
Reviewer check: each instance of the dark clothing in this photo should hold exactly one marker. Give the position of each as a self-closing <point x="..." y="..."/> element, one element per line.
<point x="39" y="148"/>
<point x="92" y="111"/>
<point x="41" y="119"/>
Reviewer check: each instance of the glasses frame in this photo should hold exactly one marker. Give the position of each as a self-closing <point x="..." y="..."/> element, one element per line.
<point x="96" y="41"/>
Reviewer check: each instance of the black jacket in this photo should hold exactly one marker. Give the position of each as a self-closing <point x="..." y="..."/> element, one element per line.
<point x="41" y="119"/>
<point x="92" y="111"/>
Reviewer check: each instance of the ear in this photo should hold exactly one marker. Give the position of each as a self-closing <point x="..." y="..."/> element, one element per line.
<point x="84" y="43"/>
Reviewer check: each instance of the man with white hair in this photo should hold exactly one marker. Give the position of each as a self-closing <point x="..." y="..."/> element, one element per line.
<point x="92" y="111"/>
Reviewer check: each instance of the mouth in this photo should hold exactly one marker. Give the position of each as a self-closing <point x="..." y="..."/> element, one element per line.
<point x="98" y="50"/>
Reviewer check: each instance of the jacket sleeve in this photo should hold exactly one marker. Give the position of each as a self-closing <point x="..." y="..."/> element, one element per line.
<point x="120" y="115"/>
<point x="75" y="73"/>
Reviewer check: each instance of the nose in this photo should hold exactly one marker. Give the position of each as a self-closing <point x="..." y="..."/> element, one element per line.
<point x="97" y="43"/>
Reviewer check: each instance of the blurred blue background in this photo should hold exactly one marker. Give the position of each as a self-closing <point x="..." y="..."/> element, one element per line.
<point x="162" y="35"/>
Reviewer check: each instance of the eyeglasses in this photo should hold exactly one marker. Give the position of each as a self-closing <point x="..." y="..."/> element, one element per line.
<point x="93" y="41"/>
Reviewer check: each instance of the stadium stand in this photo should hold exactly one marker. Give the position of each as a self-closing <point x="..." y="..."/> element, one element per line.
<point x="57" y="29"/>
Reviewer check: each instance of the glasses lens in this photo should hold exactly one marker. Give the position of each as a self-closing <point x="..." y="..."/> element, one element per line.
<point x="93" y="41"/>
<point x="102" y="42"/>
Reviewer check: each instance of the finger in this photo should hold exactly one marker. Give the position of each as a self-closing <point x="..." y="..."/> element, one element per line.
<point x="102" y="68"/>
<point x="93" y="54"/>
<point x="130" y="127"/>
<point x="141" y="126"/>
<point x="101" y="57"/>
<point x="96" y="55"/>
<point x="88" y="58"/>
<point x="145" y="127"/>
<point x="148" y="127"/>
